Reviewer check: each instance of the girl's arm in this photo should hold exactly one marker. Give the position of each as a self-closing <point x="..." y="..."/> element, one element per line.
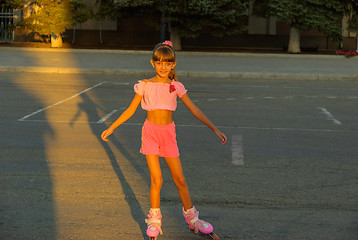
<point x="202" y="118"/>
<point x="124" y="117"/>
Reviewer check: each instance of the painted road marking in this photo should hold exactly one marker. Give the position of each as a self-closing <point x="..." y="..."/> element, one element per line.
<point x="102" y="120"/>
<point x="218" y="126"/>
<point x="237" y="152"/>
<point x="275" y="97"/>
<point x="120" y="83"/>
<point x="329" y="115"/>
<point x="48" y="107"/>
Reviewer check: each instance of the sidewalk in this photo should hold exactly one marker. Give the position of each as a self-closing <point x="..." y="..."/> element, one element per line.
<point x="191" y="64"/>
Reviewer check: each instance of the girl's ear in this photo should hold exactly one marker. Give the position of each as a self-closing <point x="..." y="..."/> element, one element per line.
<point x="174" y="64"/>
<point x="152" y="62"/>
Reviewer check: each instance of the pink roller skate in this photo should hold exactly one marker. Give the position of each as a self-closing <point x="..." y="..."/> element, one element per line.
<point x="197" y="226"/>
<point x="154" y="223"/>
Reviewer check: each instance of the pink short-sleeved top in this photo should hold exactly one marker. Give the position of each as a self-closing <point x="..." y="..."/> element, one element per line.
<point x="157" y="95"/>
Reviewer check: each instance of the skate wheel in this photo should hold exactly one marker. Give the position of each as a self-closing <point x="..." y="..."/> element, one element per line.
<point x="214" y="236"/>
<point x="152" y="238"/>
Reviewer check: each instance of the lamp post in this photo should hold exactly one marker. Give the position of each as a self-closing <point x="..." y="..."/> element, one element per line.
<point x="162" y="23"/>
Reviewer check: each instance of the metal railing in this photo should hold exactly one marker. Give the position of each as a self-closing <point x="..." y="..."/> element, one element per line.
<point x="6" y="20"/>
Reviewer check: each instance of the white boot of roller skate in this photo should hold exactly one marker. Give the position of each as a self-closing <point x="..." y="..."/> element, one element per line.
<point x="192" y="219"/>
<point x="154" y="223"/>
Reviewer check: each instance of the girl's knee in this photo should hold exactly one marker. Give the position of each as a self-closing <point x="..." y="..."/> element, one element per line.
<point x="157" y="182"/>
<point x="180" y="182"/>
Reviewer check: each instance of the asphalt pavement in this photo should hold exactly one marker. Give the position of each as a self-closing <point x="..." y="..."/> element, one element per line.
<point x="297" y="139"/>
<point x="190" y="64"/>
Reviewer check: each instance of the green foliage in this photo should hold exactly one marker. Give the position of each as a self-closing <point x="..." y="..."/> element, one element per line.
<point x="321" y="15"/>
<point x="80" y="11"/>
<point x="353" y="23"/>
<point x="187" y="16"/>
<point x="133" y="3"/>
<point x="54" y="16"/>
<point x="106" y="10"/>
<point x="113" y="9"/>
<point x="351" y="11"/>
<point x="16" y="4"/>
<point x="219" y="17"/>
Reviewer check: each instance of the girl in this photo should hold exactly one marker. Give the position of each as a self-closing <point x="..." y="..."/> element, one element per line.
<point x="158" y="96"/>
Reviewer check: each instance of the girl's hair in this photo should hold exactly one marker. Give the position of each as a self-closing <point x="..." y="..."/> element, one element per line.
<point x="165" y="52"/>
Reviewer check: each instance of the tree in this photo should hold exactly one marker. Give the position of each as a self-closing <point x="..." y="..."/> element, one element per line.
<point x="51" y="17"/>
<point x="14" y="3"/>
<point x="185" y="17"/>
<point x="351" y="11"/>
<point x="321" y="15"/>
<point x="225" y="17"/>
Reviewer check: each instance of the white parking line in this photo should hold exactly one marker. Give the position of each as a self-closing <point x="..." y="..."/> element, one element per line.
<point x="48" y="107"/>
<point x="284" y="129"/>
<point x="329" y="115"/>
<point x="102" y="120"/>
<point x="237" y="153"/>
<point x="120" y="83"/>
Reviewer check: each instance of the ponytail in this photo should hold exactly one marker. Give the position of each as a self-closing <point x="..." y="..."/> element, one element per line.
<point x="173" y="75"/>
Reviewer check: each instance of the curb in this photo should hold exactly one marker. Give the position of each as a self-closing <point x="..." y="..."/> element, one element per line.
<point x="74" y="70"/>
<point x="269" y="76"/>
<point x="178" y="53"/>
<point x="232" y="75"/>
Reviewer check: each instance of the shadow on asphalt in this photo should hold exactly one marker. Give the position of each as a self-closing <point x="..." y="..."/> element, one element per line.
<point x="91" y="109"/>
<point x="26" y="194"/>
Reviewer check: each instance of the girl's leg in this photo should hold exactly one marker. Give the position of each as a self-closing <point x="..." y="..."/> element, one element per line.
<point x="191" y="215"/>
<point x="156" y="180"/>
<point x="176" y="170"/>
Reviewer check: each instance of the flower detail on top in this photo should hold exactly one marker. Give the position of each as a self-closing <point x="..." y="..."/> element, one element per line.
<point x="171" y="88"/>
<point x="168" y="43"/>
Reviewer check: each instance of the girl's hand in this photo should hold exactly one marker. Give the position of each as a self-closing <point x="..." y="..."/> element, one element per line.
<point x="222" y="137"/>
<point x="106" y="133"/>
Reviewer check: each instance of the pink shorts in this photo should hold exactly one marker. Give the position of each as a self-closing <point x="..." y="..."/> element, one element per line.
<point x="159" y="140"/>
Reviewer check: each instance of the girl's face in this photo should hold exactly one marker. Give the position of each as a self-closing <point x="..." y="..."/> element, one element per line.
<point x="163" y="68"/>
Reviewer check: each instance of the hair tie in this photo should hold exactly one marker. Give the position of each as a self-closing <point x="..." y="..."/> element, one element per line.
<point x="168" y="43"/>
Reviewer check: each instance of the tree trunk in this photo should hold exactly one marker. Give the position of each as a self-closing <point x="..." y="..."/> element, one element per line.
<point x="294" y="44"/>
<point x="56" y="40"/>
<point x="175" y="38"/>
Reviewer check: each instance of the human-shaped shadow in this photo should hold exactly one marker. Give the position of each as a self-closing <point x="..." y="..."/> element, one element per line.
<point x="91" y="109"/>
<point x="27" y="203"/>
